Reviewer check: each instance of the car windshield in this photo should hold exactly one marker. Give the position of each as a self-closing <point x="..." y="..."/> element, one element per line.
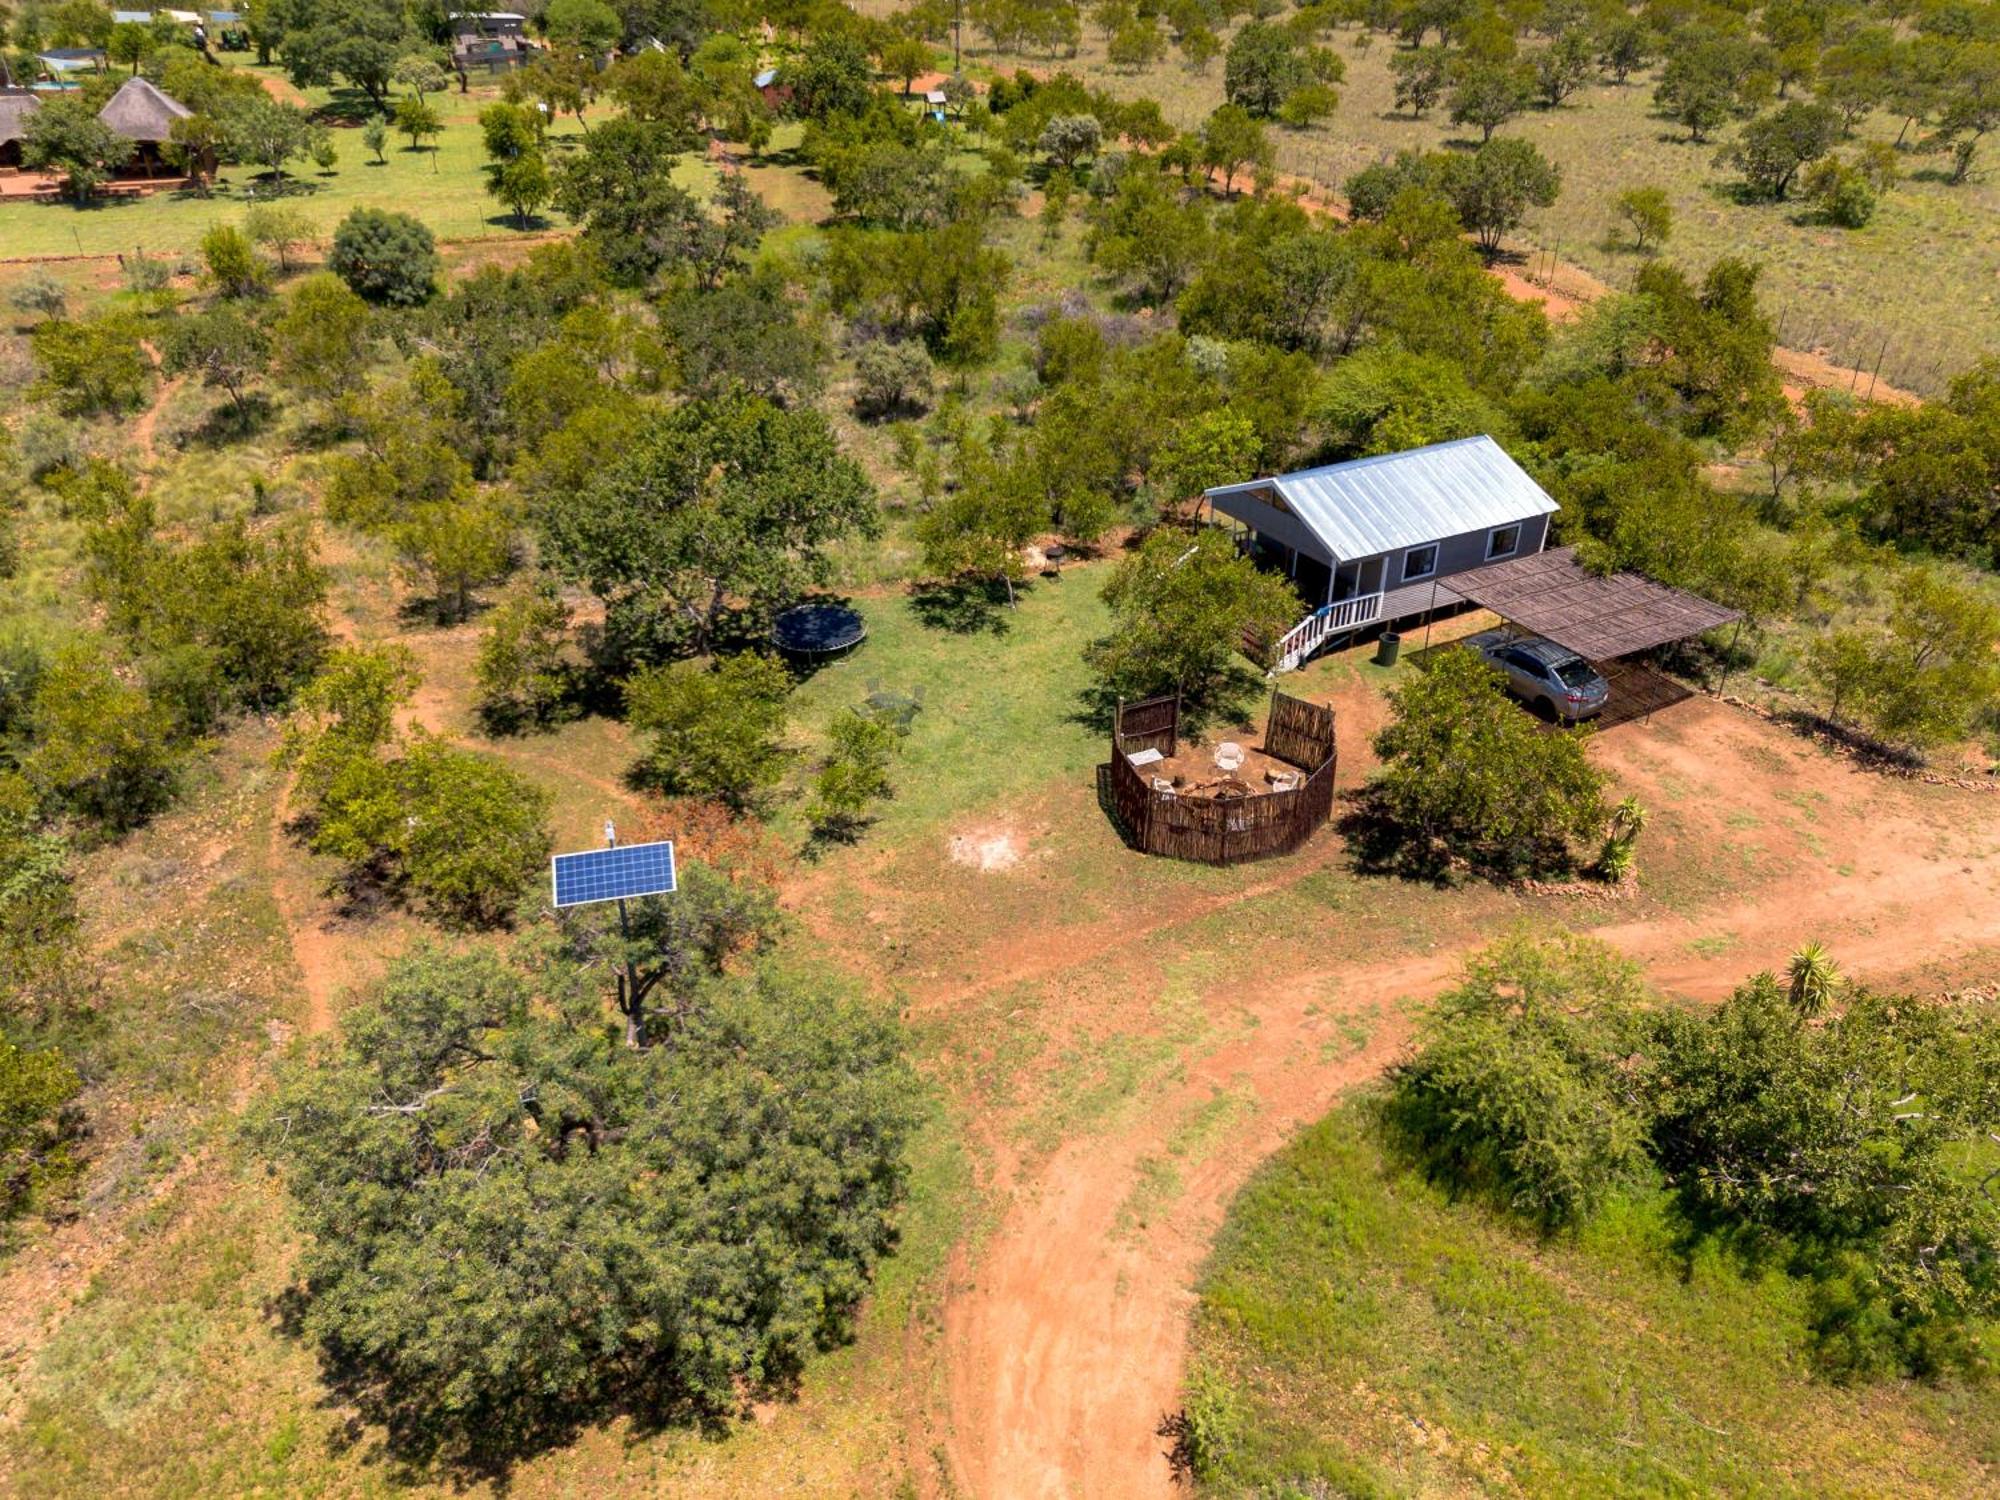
<point x="1575" y="673"/>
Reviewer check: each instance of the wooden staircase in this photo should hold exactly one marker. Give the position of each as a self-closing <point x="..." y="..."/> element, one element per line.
<point x="1299" y="644"/>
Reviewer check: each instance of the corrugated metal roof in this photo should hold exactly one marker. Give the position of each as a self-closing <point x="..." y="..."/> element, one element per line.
<point x="1373" y="505"/>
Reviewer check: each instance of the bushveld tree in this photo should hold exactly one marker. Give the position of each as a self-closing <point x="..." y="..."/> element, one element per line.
<point x="854" y="775"/>
<point x="39" y="1125"/>
<point x="356" y="41"/>
<point x="1493" y="188"/>
<point x="890" y="377"/>
<point x="463" y="1129"/>
<point x="346" y="713"/>
<point x="1467" y="775"/>
<point x="1487" y="95"/>
<point x="421" y="73"/>
<point x="1563" y="67"/>
<point x="451" y="547"/>
<point x="620" y="188"/>
<point x="716" y="504"/>
<point x="591" y="25"/>
<point x="280" y="227"/>
<point x="225" y="348"/>
<point x="418" y="119"/>
<point x="1649" y="213"/>
<point x="100" y="746"/>
<point x="1520" y="1084"/>
<point x="385" y="256"/>
<point x="375" y="136"/>
<point x="1774" y="148"/>
<point x="517" y="173"/>
<point x="321" y="340"/>
<point x="1264" y="64"/>
<point x="1215" y="447"/>
<point x="1230" y="140"/>
<point x="39" y="926"/>
<point x="1710" y="78"/>
<point x="1927" y="676"/>
<point x="654" y="87"/>
<point x="66" y="136"/>
<point x="1181" y="606"/>
<point x="717" y="728"/>
<point x="94" y="364"/>
<point x="524" y="672"/>
<point x="1971" y="109"/>
<point x="1421" y="75"/>
<point x="267" y="132"/>
<point x="981" y="530"/>
<point x="234" y="267"/>
<point x="1069" y="139"/>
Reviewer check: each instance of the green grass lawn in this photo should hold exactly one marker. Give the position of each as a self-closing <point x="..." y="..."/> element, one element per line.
<point x="1360" y="1334"/>
<point x="444" y="187"/>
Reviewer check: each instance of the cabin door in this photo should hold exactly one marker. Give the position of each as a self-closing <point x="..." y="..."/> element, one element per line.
<point x="1356" y="578"/>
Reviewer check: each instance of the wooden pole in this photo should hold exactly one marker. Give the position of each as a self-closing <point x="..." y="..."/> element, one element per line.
<point x="1734" y="636"/>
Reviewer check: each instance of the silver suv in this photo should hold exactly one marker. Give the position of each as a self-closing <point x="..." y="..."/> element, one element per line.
<point x="1551" y="678"/>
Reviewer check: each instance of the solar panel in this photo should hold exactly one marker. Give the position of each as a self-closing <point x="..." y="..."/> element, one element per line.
<point x="610" y="874"/>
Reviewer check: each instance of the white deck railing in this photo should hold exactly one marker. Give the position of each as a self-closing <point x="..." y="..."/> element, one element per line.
<point x="1303" y="639"/>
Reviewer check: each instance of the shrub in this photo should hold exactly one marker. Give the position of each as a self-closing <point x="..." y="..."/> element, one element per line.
<point x="891" y="378"/>
<point x="715" y="728"/>
<point x="525" y="678"/>
<point x="39" y="293"/>
<point x="101" y="747"/>
<point x="855" y="776"/>
<point x="39" y="1125"/>
<point x="1468" y="775"/>
<point x="385" y="257"/>
<point x="95" y="364"/>
<point x="1518" y="1086"/>
<point x="234" y="267"/>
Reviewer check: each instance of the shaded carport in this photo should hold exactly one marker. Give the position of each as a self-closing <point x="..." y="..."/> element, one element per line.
<point x="1602" y="617"/>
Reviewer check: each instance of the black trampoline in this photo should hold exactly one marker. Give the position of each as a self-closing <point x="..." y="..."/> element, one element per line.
<point x="817" y="631"/>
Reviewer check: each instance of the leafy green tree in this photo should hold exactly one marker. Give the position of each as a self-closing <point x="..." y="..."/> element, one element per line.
<point x="1215" y="447"/>
<point x="131" y="43"/>
<point x="1711" y="77"/>
<point x="100" y="747"/>
<point x="854" y="776"/>
<point x="1070" y="139"/>
<point x="268" y="132"/>
<point x="1466" y="775"/>
<point x="577" y="1195"/>
<point x="832" y="76"/>
<point x="1521" y="1084"/>
<point x="451" y="547"/>
<point x="717" y="728"/>
<point x="1150" y="230"/>
<point x="355" y="41"/>
<point x="620" y="188"/>
<point x="517" y="173"/>
<point x="279" y="227"/>
<point x="1719" y="345"/>
<point x="39" y="928"/>
<point x="375" y="136"/>
<point x="982" y="529"/>
<point x="1971" y="108"/>
<point x="655" y="88"/>
<point x="345" y="714"/>
<point x="422" y="73"/>
<point x="525" y="676"/>
<point x="1650" y="214"/>
<point x="890" y="377"/>
<point x="1928" y="676"/>
<point x="1384" y="400"/>
<point x="234" y="267"/>
<point x="1181" y="607"/>
<point x="905" y="58"/>
<point x="1230" y="140"/>
<point x="1263" y="66"/>
<point x="715" y="503"/>
<point x="93" y="364"/>
<point x="222" y="346"/>
<point x="385" y="256"/>
<point x="1487" y="94"/>
<point x="1774" y="148"/>
<point x="1422" y="75"/>
<point x="65" y="135"/>
<point x="1849" y="1135"/>
<point x="321" y="340"/>
<point x="418" y="119"/>
<point x="41" y="294"/>
<point x="1492" y="189"/>
<point x="591" y="25"/>
<point x="471" y="834"/>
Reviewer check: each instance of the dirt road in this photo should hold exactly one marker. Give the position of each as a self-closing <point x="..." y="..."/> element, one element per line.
<point x="1065" y="1338"/>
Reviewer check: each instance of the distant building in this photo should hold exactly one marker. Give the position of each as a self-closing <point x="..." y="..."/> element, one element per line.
<point x="772" y="88"/>
<point x="15" y="108"/>
<point x="144" y="116"/>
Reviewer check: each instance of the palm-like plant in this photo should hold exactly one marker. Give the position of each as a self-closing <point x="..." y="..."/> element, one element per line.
<point x="1813" y="979"/>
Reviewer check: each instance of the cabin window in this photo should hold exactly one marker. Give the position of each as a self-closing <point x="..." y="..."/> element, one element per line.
<point x="1502" y="541"/>
<point x="1420" y="562"/>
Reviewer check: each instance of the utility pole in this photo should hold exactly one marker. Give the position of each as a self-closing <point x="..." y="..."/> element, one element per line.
<point x="957" y="25"/>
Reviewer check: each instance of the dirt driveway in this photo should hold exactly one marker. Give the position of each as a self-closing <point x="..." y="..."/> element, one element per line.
<point x="1065" y="1331"/>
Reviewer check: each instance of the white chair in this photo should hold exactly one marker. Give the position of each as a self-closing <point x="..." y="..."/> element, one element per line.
<point x="1228" y="755"/>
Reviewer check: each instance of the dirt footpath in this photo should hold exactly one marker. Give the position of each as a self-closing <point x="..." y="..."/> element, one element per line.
<point x="1065" y="1337"/>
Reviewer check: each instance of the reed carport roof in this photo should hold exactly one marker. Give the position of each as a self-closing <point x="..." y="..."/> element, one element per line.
<point x="1598" y="616"/>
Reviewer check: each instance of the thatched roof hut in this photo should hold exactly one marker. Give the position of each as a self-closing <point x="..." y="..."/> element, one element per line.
<point x="14" y="112"/>
<point x="140" y="112"/>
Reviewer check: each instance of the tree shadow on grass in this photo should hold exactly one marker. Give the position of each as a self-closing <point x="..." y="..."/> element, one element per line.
<point x="964" y="606"/>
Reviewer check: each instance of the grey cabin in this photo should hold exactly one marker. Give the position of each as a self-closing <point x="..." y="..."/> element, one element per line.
<point x="1366" y="541"/>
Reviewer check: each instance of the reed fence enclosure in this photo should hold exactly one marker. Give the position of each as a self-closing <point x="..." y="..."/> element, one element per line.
<point x="1221" y="830"/>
